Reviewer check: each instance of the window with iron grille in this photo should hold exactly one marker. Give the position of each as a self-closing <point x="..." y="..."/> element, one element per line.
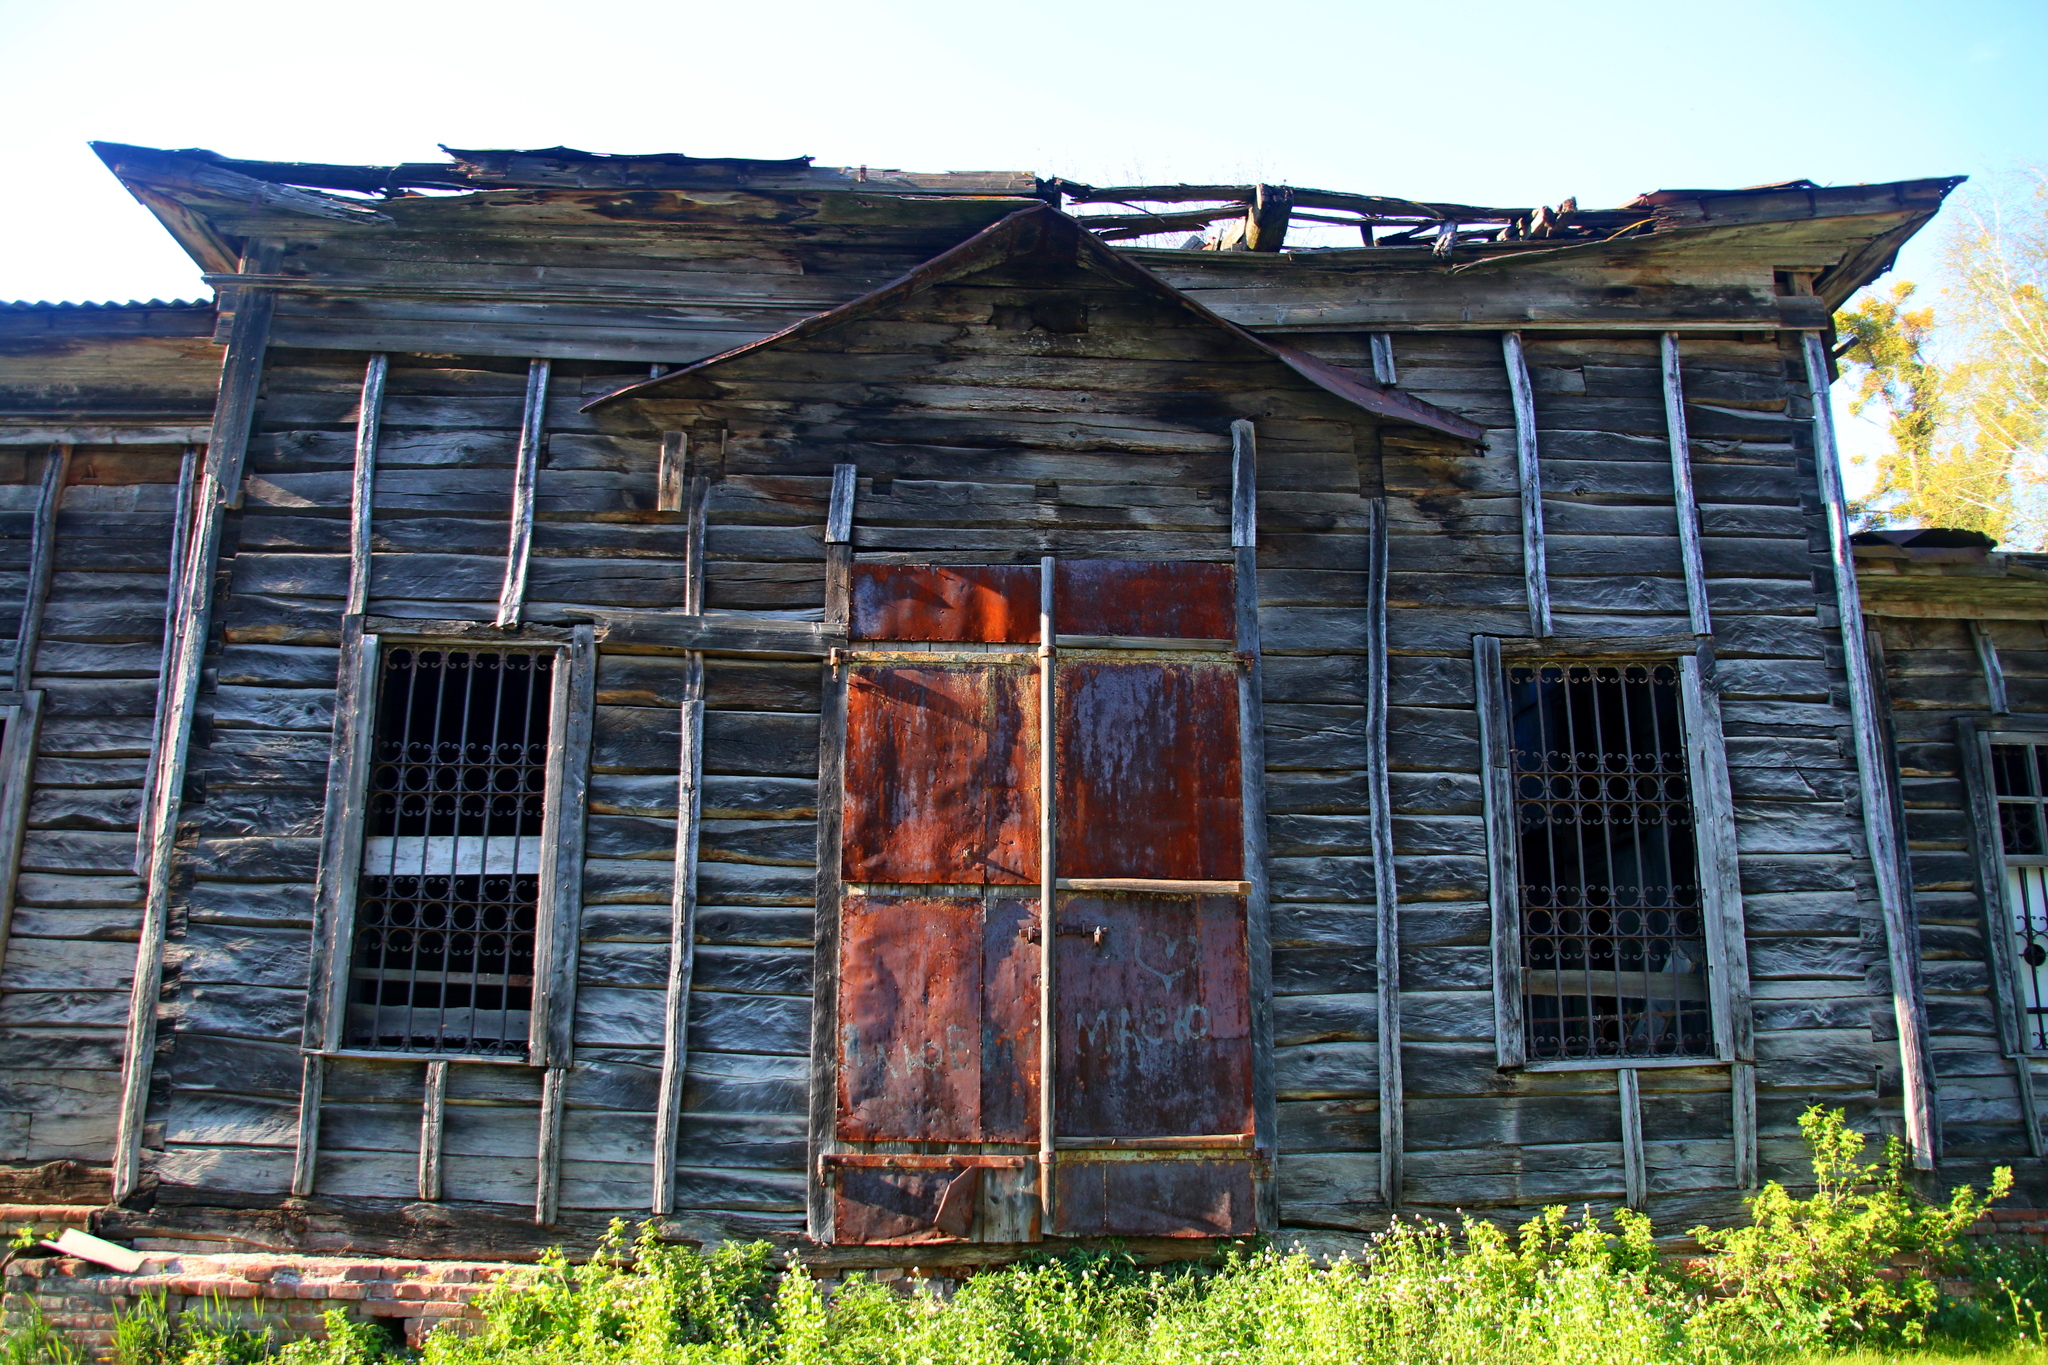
<point x="1614" y="957"/>
<point x="2019" y="783"/>
<point x="448" y="896"/>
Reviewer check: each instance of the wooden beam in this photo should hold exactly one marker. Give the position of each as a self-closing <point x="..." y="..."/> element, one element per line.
<point x="181" y="541"/>
<point x="1157" y="886"/>
<point x="1599" y="647"/>
<point x="547" y="1193"/>
<point x="1873" y="768"/>
<point x="1634" y="1178"/>
<point x="1048" y="893"/>
<point x="1265" y="224"/>
<point x="433" y="1106"/>
<point x="341" y="839"/>
<point x="525" y="472"/>
<point x="631" y="631"/>
<point x="1497" y="785"/>
<point x="1994" y="671"/>
<point x="1720" y="870"/>
<point x="369" y="414"/>
<point x="668" y="482"/>
<point x="682" y="949"/>
<point x="1535" y="572"/>
<point x="1386" y="882"/>
<point x="220" y="481"/>
<point x="241" y="372"/>
<point x="1742" y="1122"/>
<point x="42" y="562"/>
<point x="1383" y="359"/>
<point x="1251" y="729"/>
<point x="17" y="774"/>
<point x="558" y="933"/>
<point x="1685" y="504"/>
<point x="306" y="1151"/>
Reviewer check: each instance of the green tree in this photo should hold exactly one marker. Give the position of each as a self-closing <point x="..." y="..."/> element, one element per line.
<point x="1963" y="386"/>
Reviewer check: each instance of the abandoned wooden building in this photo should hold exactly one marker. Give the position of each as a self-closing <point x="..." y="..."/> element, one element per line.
<point x="565" y="692"/>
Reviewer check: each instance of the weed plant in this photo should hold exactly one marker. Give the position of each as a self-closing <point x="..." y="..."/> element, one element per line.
<point x="1852" y="1272"/>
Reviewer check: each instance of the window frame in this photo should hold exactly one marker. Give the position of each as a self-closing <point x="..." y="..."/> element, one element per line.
<point x="1974" y="737"/>
<point x="559" y="911"/>
<point x="1728" y="996"/>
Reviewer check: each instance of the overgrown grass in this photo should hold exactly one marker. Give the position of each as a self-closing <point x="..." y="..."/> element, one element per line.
<point x="1852" y="1273"/>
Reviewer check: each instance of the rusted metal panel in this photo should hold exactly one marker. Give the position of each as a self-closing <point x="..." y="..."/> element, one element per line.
<point x="1154" y="1017"/>
<point x="938" y="1021"/>
<point x="941" y="775"/>
<point x="991" y="603"/>
<point x="882" y="1206"/>
<point x="1186" y="601"/>
<point x="1148" y="771"/>
<point x="1156" y="1198"/>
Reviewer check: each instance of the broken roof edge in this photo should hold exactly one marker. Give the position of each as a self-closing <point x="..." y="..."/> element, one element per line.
<point x="1009" y="233"/>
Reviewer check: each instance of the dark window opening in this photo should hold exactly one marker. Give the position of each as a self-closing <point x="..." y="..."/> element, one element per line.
<point x="2019" y="778"/>
<point x="1614" y="961"/>
<point x="446" y="907"/>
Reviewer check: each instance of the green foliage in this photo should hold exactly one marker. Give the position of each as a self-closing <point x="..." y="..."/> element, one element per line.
<point x="35" y="1342"/>
<point x="145" y="1334"/>
<point x="1855" y="1261"/>
<point x="348" y="1343"/>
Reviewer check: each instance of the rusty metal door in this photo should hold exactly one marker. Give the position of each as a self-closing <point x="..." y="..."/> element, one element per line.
<point x="943" y="989"/>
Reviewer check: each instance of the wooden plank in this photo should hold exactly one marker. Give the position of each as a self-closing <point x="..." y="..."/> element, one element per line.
<point x="1684" y="503"/>
<point x="1598" y="647"/>
<point x="679" y="633"/>
<point x="668" y="484"/>
<point x="341" y="837"/>
<point x="1156" y="885"/>
<point x="306" y="1150"/>
<point x="17" y="764"/>
<point x="369" y="414"/>
<point x="1535" y="574"/>
<point x="1873" y="771"/>
<point x="181" y="540"/>
<point x="548" y="1182"/>
<point x="42" y="558"/>
<point x="241" y="371"/>
<point x="1742" y="1121"/>
<point x="1973" y="743"/>
<point x="1386" y="884"/>
<point x="675" y="1043"/>
<point x="1497" y="781"/>
<point x="1383" y="359"/>
<point x="823" y="1075"/>
<point x="1251" y="728"/>
<point x="1048" y="892"/>
<point x="1719" y="868"/>
<point x="525" y="473"/>
<point x="1634" y="1178"/>
<point x="1144" y="642"/>
<point x="220" y="483"/>
<point x="558" y="930"/>
<point x="433" y="1106"/>
<point x="1994" y="671"/>
<point x="839" y="519"/>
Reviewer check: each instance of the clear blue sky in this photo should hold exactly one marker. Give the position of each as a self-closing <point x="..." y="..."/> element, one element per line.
<point x="1479" y="101"/>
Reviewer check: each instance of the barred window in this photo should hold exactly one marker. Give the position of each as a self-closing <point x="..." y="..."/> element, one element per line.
<point x="1614" y="959"/>
<point x="2019" y="780"/>
<point x="448" y="896"/>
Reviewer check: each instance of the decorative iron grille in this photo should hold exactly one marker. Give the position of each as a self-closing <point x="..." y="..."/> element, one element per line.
<point x="2019" y="777"/>
<point x="1614" y="960"/>
<point x="443" y="959"/>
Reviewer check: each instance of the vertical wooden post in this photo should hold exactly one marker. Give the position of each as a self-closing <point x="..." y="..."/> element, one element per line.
<point x="17" y="767"/>
<point x="369" y="414"/>
<point x="1535" y="570"/>
<point x="1720" y="870"/>
<point x="1684" y="503"/>
<point x="1634" y="1178"/>
<point x="525" y="473"/>
<point x="1873" y="769"/>
<point x="547" y="1193"/>
<point x="1048" y="892"/>
<point x="306" y="1155"/>
<point x="1742" y="1122"/>
<point x="1994" y="671"/>
<point x="433" y="1105"/>
<point x="181" y="543"/>
<point x="1251" y="729"/>
<point x="1383" y="359"/>
<point x="668" y="480"/>
<point x="234" y="412"/>
<point x="831" y="795"/>
<point x="682" y="949"/>
<point x="558" y="933"/>
<point x="42" y="564"/>
<point x="1386" y="884"/>
<point x="1497" y="783"/>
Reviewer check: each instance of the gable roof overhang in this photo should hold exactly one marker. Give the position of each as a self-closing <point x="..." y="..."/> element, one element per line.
<point x="1034" y="229"/>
